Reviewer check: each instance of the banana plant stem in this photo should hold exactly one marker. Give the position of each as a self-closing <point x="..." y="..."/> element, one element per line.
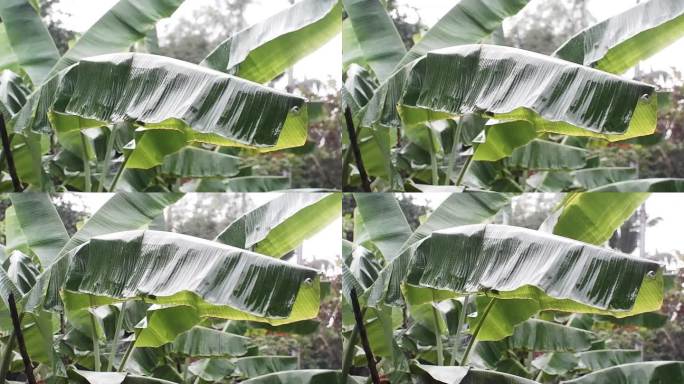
<point x="7" y="357"/>
<point x="7" y="149"/>
<point x="476" y="331"/>
<point x="354" y="143"/>
<point x="438" y="336"/>
<point x="433" y="158"/>
<point x="16" y="323"/>
<point x="463" y="171"/>
<point x="96" y="343"/>
<point x="86" y="163"/>
<point x="107" y="161"/>
<point x="126" y="355"/>
<point x="453" y="156"/>
<point x="117" y="337"/>
<point x="349" y="353"/>
<point x="459" y="329"/>
<point x="112" y="188"/>
<point x="358" y="316"/>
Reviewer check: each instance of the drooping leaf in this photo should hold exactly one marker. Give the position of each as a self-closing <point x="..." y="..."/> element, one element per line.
<point x="384" y="222"/>
<point x="13" y="94"/>
<point x="555" y="364"/>
<point x="649" y="320"/>
<point x="351" y="50"/>
<point x="620" y="42"/>
<point x="8" y="59"/>
<point x="376" y="35"/>
<point x="652" y="372"/>
<point x="227" y="282"/>
<point x="264" y="50"/>
<point x="254" y="366"/>
<point x="291" y="218"/>
<point x="91" y="377"/>
<point x="29" y="38"/>
<point x="358" y="88"/>
<point x="602" y="359"/>
<point x="507" y="262"/>
<point x="465" y="375"/>
<point x="547" y="155"/>
<point x="545" y="336"/>
<point x="197" y="162"/>
<point x="304" y="376"/>
<point x="257" y="184"/>
<point x="466" y="79"/>
<point x="468" y="22"/>
<point x="212" y="370"/>
<point x="195" y="104"/>
<point x="592" y="178"/>
<point x="162" y="325"/>
<point x="207" y="342"/>
<point x="127" y="22"/>
<point x="21" y="271"/>
<point x="503" y="138"/>
<point x="644" y="185"/>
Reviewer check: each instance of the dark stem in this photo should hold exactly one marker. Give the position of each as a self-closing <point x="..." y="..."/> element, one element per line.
<point x="20" y="340"/>
<point x="358" y="316"/>
<point x="7" y="148"/>
<point x="354" y="143"/>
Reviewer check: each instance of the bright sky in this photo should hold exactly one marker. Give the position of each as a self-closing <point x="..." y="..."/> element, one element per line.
<point x="432" y="10"/>
<point x="323" y="64"/>
<point x="326" y="244"/>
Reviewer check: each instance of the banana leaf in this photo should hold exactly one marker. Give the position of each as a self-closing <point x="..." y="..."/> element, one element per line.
<point x="90" y="377"/>
<point x="592" y="217"/>
<point x="468" y="22"/>
<point x="29" y="38"/>
<point x="361" y="264"/>
<point x="358" y="87"/>
<point x="207" y="342"/>
<point x="648" y="320"/>
<point x="263" y="51"/>
<point x="545" y="336"/>
<point x="291" y="218"/>
<point x="384" y="222"/>
<point x="21" y="272"/>
<point x="8" y="59"/>
<point x="602" y="359"/>
<point x="464" y="375"/>
<point x="227" y="282"/>
<point x="46" y="237"/>
<point x="254" y="366"/>
<point x="351" y="50"/>
<point x="592" y="178"/>
<point x="257" y="184"/>
<point x="547" y="155"/>
<point x="164" y="324"/>
<point x="512" y="84"/>
<point x="13" y="94"/>
<point x="304" y="376"/>
<point x="211" y="370"/>
<point x="127" y="22"/>
<point x="644" y="185"/>
<point x="505" y="262"/>
<point x="197" y="162"/>
<point x="376" y="35"/>
<point x="503" y="138"/>
<point x="194" y="103"/>
<point x="556" y="363"/>
<point x="652" y="372"/>
<point x="620" y="42"/>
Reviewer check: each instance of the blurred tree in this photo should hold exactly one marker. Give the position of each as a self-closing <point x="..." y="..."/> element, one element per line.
<point x="53" y="18"/>
<point x="407" y="20"/>
<point x="72" y="210"/>
<point x="206" y="215"/>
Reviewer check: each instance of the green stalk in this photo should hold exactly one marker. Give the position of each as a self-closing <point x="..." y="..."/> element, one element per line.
<point x="476" y="331"/>
<point x="107" y="160"/>
<point x="459" y="329"/>
<point x="349" y="353"/>
<point x="96" y="343"/>
<point x="433" y="158"/>
<point x="454" y="154"/>
<point x="126" y="355"/>
<point x="463" y="171"/>
<point x="438" y="335"/>
<point x="117" y="337"/>
<point x="112" y="188"/>
<point x="86" y="163"/>
<point x="7" y="357"/>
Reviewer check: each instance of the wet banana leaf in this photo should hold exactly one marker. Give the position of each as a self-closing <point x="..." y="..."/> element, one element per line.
<point x="46" y="237"/>
<point x="546" y="155"/>
<point x="556" y="363"/>
<point x="602" y="359"/>
<point x="597" y="177"/>
<point x="227" y="282"/>
<point x="652" y="372"/>
<point x="197" y="162"/>
<point x="254" y="366"/>
<point x="358" y="87"/>
<point x="29" y="38"/>
<point x="505" y="262"/>
<point x="457" y="209"/>
<point x="376" y="35"/>
<point x="620" y="42"/>
<point x="162" y="325"/>
<point x="512" y="84"/>
<point x="644" y="185"/>
<point x="649" y="320"/>
<point x="207" y="342"/>
<point x="90" y="377"/>
<point x="592" y="217"/>
<point x="503" y="317"/>
<point x="468" y="22"/>
<point x="264" y="50"/>
<point x="13" y="94"/>
<point x="257" y="184"/>
<point x="282" y="224"/>
<point x="127" y="22"/>
<point x="351" y="50"/>
<point x="384" y="222"/>
<point x="434" y="374"/>
<point x="361" y="264"/>
<point x="545" y="336"/>
<point x="8" y="59"/>
<point x="211" y="370"/>
<point x="503" y="138"/>
<point x="305" y="376"/>
<point x="21" y="271"/>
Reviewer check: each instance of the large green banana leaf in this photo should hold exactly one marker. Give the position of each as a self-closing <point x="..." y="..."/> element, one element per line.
<point x="376" y="35"/>
<point x="468" y="22"/>
<point x="513" y="84"/>
<point x="358" y="87"/>
<point x="547" y="155"/>
<point x="360" y="262"/>
<point x="197" y="162"/>
<point x="257" y="184"/>
<point x="607" y="358"/>
<point x="46" y="237"/>
<point x="545" y="336"/>
<point x="507" y="262"/>
<point x="384" y="222"/>
<point x="195" y="103"/>
<point x="620" y="42"/>
<point x="351" y="50"/>
<point x="652" y="372"/>
<point x="163" y="325"/>
<point x="263" y="51"/>
<point x="29" y="38"/>
<point x="91" y="377"/>
<point x="457" y="209"/>
<point x="465" y="375"/>
<point x="644" y="185"/>
<point x="291" y="218"/>
<point x="226" y="282"/>
<point x="305" y="376"/>
<point x="13" y="94"/>
<point x="592" y="217"/>
<point x="207" y="342"/>
<point x="503" y="138"/>
<point x="211" y="370"/>
<point x="8" y="59"/>
<point x="21" y="271"/>
<point x="254" y="366"/>
<point x="592" y="178"/>
<point x="127" y="22"/>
